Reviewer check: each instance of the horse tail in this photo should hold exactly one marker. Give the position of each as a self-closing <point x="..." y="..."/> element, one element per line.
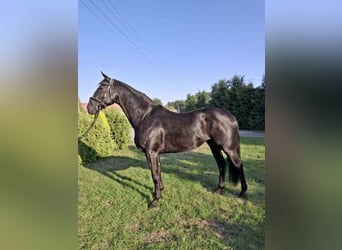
<point x="234" y="170"/>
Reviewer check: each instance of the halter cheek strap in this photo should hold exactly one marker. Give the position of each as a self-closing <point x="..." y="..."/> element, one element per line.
<point x="111" y="84"/>
<point x="101" y="103"/>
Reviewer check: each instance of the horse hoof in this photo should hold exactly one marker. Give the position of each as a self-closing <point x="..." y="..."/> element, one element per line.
<point x="243" y="195"/>
<point x="153" y="204"/>
<point x="218" y="190"/>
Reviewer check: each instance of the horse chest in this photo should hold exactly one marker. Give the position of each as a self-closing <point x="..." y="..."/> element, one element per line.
<point x="140" y="141"/>
<point x="148" y="139"/>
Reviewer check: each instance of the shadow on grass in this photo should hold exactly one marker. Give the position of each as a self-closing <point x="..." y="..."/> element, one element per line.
<point x="200" y="168"/>
<point x="127" y="183"/>
<point x="108" y="166"/>
<point x="190" y="166"/>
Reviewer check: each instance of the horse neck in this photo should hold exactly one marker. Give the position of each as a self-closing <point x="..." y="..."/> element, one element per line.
<point x="134" y="104"/>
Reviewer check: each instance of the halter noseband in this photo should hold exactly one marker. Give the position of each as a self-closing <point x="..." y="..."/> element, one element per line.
<point x="103" y="105"/>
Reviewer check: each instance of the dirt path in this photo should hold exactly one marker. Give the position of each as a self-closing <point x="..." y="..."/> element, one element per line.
<point x="248" y="133"/>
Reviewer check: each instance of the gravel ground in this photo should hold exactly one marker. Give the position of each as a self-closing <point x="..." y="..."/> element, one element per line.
<point x="248" y="133"/>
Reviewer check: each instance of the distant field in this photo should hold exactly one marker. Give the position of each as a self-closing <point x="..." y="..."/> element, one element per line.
<point x="113" y="194"/>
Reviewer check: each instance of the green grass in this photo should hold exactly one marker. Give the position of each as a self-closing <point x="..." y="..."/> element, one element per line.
<point x="114" y="192"/>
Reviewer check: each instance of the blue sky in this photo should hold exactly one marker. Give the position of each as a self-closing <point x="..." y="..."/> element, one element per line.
<point x="168" y="49"/>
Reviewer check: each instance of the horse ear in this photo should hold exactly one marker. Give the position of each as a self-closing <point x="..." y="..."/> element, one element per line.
<point x="105" y="76"/>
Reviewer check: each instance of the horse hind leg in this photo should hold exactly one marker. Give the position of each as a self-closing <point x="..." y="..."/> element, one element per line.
<point x="221" y="164"/>
<point x="154" y="162"/>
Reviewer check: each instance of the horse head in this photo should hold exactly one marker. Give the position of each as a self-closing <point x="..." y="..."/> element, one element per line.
<point x="103" y="96"/>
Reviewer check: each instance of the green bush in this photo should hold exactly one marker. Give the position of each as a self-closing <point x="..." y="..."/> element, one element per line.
<point x="97" y="143"/>
<point x="120" y="128"/>
<point x="103" y="117"/>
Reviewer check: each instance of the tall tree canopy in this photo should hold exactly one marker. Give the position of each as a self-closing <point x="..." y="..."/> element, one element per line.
<point x="245" y="102"/>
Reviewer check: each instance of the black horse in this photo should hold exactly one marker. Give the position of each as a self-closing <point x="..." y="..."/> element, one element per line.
<point x="158" y="130"/>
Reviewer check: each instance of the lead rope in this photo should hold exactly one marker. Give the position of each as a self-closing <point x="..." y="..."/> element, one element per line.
<point x="97" y="113"/>
<point x="91" y="125"/>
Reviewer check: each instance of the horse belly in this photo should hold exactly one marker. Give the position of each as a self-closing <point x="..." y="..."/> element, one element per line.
<point x="183" y="142"/>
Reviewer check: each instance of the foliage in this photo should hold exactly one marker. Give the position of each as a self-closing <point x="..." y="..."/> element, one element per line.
<point x="97" y="143"/>
<point x="120" y="128"/>
<point x="157" y="101"/>
<point x="113" y="197"/>
<point x="199" y="100"/>
<point x="219" y="93"/>
<point x="178" y="106"/>
<point x="245" y="102"/>
<point x="103" y="117"/>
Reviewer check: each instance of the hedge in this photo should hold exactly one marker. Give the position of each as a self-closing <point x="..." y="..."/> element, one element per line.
<point x="103" y="117"/>
<point x="97" y="143"/>
<point x="120" y="128"/>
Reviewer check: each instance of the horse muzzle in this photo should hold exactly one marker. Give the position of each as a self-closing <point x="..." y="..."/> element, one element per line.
<point x="95" y="105"/>
<point x="91" y="109"/>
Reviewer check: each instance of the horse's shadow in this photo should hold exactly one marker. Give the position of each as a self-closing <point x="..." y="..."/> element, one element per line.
<point x="110" y="167"/>
<point x="191" y="166"/>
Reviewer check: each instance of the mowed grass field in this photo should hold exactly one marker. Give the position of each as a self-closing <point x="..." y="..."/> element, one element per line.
<point x="113" y="194"/>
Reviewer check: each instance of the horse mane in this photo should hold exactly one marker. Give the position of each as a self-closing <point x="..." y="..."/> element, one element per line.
<point x="136" y="92"/>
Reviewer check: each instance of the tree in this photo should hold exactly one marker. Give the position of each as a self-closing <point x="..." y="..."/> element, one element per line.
<point x="157" y="101"/>
<point x="263" y="82"/>
<point x="242" y="98"/>
<point x="218" y="95"/>
<point x="244" y="101"/>
<point x="190" y="102"/>
<point x="199" y="100"/>
<point x="236" y="81"/>
<point x="203" y="99"/>
<point x="178" y="106"/>
<point x="259" y="107"/>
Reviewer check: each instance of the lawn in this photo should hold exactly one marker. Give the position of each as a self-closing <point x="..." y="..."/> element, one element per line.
<point x="113" y="194"/>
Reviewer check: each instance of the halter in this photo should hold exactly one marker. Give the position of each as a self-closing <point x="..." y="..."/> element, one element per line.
<point x="101" y="106"/>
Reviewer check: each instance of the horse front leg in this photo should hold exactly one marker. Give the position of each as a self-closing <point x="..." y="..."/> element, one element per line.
<point x="154" y="163"/>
